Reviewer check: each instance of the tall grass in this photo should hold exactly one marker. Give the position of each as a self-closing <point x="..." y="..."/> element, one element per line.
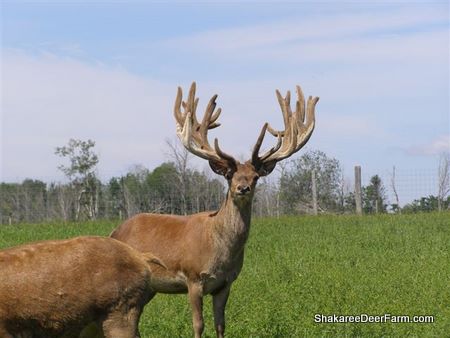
<point x="296" y="267"/>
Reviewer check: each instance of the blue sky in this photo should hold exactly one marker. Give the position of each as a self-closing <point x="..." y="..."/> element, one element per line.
<point x="109" y="71"/>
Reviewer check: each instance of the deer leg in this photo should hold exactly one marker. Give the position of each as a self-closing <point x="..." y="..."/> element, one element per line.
<point x="219" y="302"/>
<point x="195" y="291"/>
<point x="122" y="324"/>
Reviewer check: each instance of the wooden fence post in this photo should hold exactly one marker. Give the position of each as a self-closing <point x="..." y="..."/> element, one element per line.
<point x="358" y="198"/>
<point x="314" y="191"/>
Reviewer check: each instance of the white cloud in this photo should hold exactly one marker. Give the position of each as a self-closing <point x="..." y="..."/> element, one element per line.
<point x="435" y="147"/>
<point x="48" y="99"/>
<point x="328" y="37"/>
<point x="376" y="55"/>
<point x="374" y="84"/>
<point x="418" y="47"/>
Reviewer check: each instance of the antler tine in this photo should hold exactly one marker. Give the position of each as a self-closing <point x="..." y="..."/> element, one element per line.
<point x="212" y="123"/>
<point x="272" y="150"/>
<point x="177" y="108"/>
<point x="298" y="128"/>
<point x="300" y="104"/>
<point x="287" y="99"/>
<point x="259" y="141"/>
<point x="207" y="117"/>
<point x="221" y="153"/>
<point x="194" y="135"/>
<point x="191" y="98"/>
<point x="285" y="107"/>
<point x="255" y="154"/>
<point x="310" y="122"/>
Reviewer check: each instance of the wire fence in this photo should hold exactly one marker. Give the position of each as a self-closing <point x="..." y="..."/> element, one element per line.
<point x="36" y="201"/>
<point x="410" y="184"/>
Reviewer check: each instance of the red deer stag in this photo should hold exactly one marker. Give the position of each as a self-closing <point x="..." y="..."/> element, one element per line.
<point x="204" y="252"/>
<point x="56" y="288"/>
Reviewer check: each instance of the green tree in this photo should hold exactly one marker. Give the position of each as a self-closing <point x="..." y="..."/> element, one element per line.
<point x="296" y="187"/>
<point x="114" y="199"/>
<point x="349" y="202"/>
<point x="374" y="196"/>
<point x="135" y="191"/>
<point x="426" y="204"/>
<point x="163" y="188"/>
<point x="34" y="197"/>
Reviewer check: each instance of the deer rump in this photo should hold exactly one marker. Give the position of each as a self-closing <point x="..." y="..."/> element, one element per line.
<point x="56" y="288"/>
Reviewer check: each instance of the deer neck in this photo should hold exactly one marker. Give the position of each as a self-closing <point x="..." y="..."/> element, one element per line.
<point x="232" y="221"/>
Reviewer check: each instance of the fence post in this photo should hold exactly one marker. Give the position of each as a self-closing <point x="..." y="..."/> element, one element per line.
<point x="314" y="191"/>
<point x="358" y="199"/>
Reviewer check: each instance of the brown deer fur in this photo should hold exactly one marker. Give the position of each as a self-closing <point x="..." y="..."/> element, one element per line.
<point x="55" y="288"/>
<point x="204" y="252"/>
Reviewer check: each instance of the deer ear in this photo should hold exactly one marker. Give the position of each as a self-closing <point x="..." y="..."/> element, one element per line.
<point x="222" y="168"/>
<point x="266" y="168"/>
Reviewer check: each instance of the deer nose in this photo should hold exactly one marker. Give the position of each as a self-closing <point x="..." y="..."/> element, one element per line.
<point x="243" y="188"/>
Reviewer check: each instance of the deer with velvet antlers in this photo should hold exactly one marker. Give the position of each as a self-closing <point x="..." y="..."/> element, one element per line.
<point x="204" y="252"/>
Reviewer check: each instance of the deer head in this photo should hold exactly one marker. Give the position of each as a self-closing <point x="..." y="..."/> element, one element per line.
<point x="242" y="177"/>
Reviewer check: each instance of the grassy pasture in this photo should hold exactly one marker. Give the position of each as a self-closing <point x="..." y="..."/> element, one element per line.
<point x="296" y="267"/>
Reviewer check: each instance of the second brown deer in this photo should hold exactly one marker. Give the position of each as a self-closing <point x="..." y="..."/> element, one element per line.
<point x="204" y="252"/>
<point x="56" y="288"/>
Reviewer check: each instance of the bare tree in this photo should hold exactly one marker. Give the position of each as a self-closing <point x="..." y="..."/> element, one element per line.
<point x="346" y="196"/>
<point x="314" y="191"/>
<point x="394" y="189"/>
<point x="129" y="201"/>
<point x="81" y="173"/>
<point x="180" y="157"/>
<point x="443" y="178"/>
<point x="281" y="169"/>
<point x="65" y="200"/>
<point x="265" y="200"/>
<point x="358" y="192"/>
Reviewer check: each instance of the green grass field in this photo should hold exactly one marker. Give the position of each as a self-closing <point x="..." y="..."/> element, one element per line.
<point x="296" y="267"/>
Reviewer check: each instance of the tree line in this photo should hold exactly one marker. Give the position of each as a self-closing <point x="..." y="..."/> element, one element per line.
<point x="176" y="188"/>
